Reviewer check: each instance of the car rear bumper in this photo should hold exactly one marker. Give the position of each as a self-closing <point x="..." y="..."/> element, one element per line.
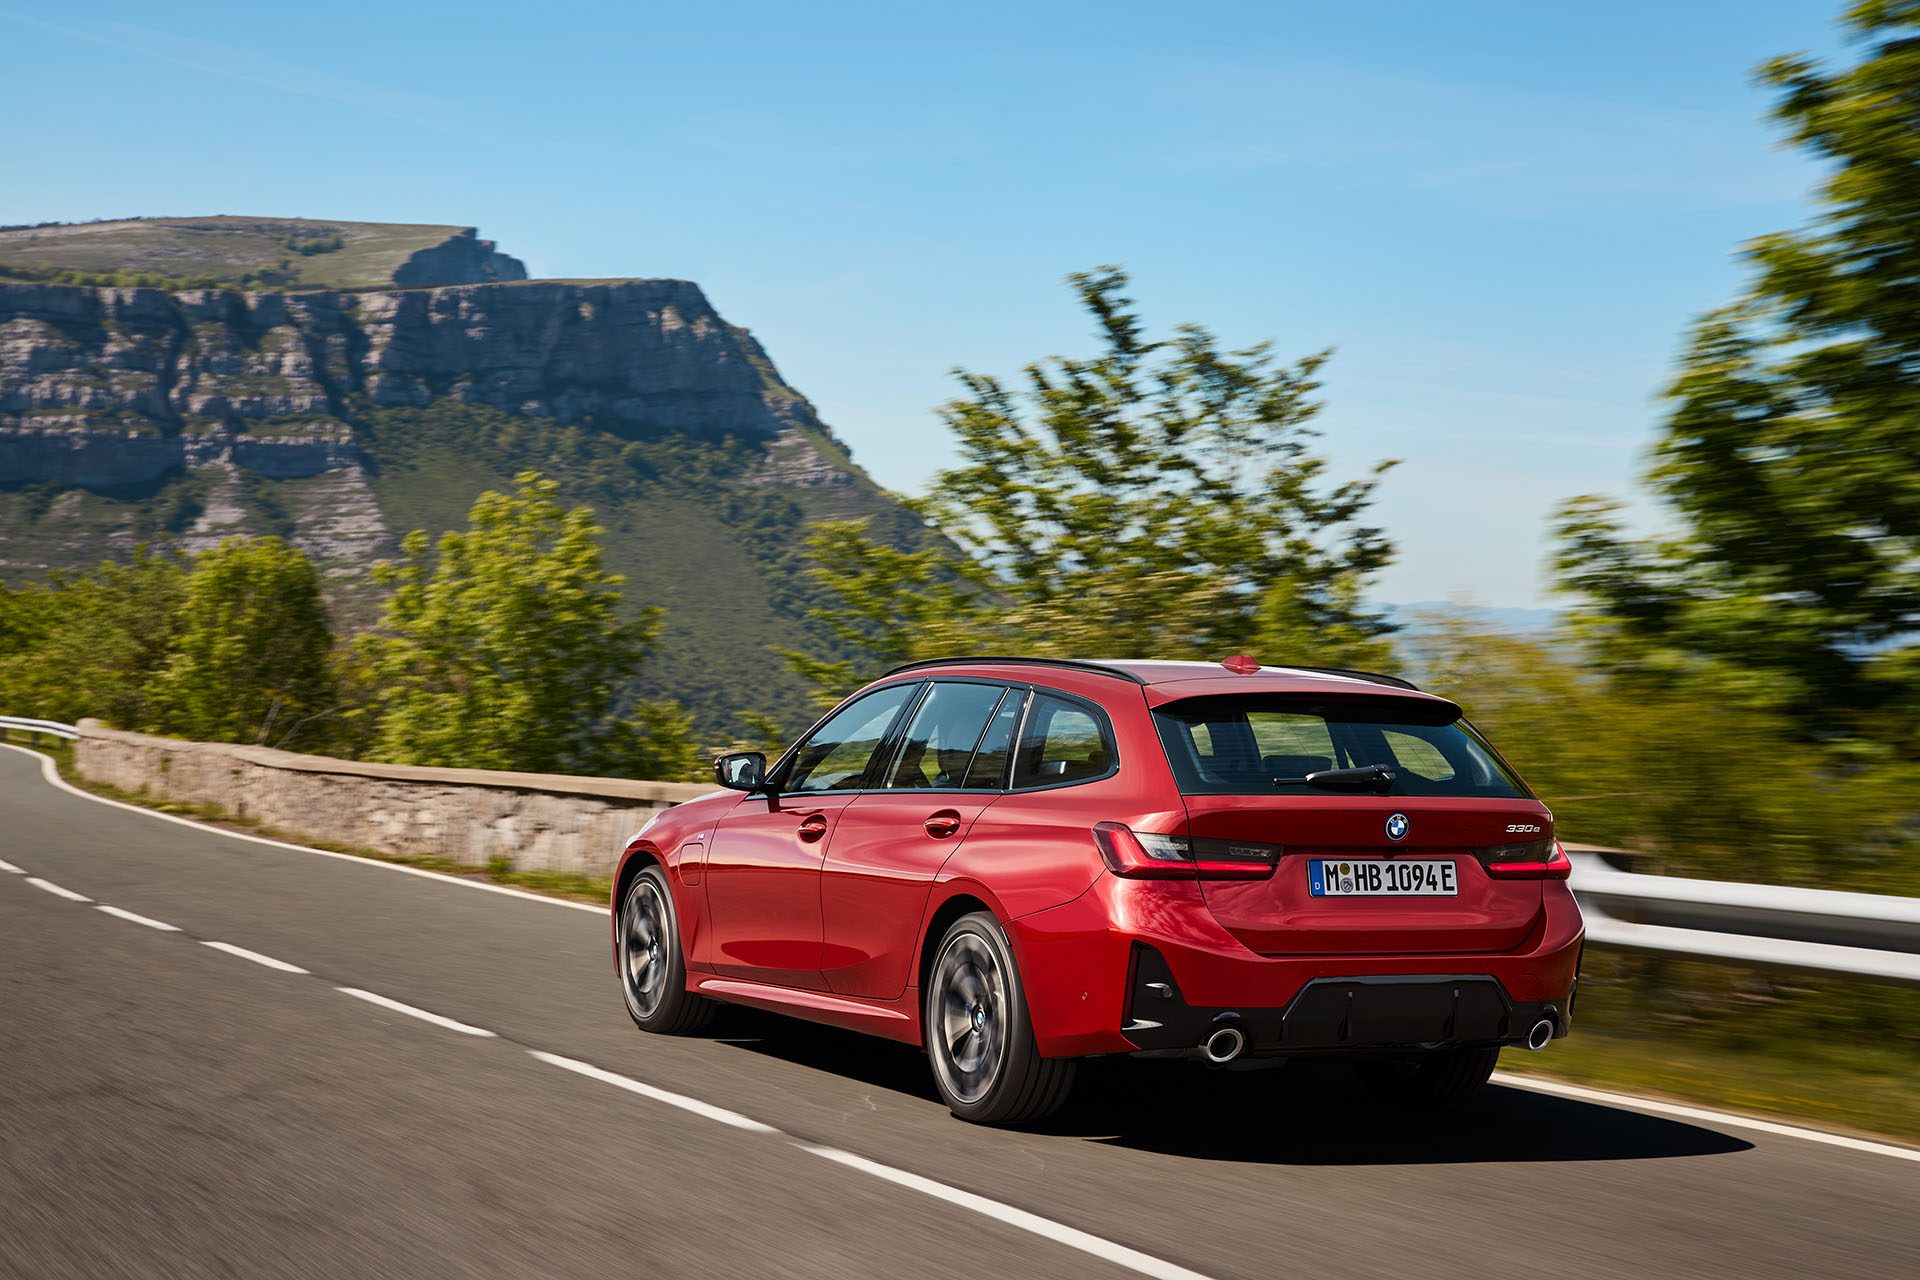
<point x="1142" y="965"/>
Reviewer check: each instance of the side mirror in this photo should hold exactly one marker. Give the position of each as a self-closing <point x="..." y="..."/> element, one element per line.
<point x="741" y="770"/>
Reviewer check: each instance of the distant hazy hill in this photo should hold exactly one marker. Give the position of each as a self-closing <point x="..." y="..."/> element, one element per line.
<point x="260" y="252"/>
<point x="341" y="418"/>
<point x="1417" y="616"/>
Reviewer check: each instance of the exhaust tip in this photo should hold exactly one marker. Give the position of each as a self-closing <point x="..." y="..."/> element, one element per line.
<point x="1540" y="1034"/>
<point x="1224" y="1045"/>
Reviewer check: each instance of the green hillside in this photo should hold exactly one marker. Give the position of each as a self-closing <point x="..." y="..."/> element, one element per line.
<point x="685" y="524"/>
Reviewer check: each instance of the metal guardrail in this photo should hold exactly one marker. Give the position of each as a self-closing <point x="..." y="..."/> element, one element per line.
<point x="1873" y="937"/>
<point x="52" y="728"/>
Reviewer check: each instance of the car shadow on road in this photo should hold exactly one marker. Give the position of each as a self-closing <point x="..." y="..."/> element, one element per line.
<point x="1302" y="1113"/>
<point x="1317" y="1113"/>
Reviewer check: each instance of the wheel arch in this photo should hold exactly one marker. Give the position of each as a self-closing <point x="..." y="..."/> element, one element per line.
<point x="638" y="857"/>
<point x="950" y="902"/>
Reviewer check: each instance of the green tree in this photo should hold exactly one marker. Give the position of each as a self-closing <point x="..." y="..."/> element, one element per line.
<point x="503" y="646"/>
<point x="1161" y="497"/>
<point x="1791" y="453"/>
<point x="1701" y="785"/>
<point x="93" y="644"/>
<point x="251" y="659"/>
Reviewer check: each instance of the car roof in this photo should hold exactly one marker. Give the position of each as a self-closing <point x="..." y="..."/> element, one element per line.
<point x="1165" y="681"/>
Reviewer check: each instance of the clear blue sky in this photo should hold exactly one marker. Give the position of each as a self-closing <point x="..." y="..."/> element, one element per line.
<point x="1501" y="215"/>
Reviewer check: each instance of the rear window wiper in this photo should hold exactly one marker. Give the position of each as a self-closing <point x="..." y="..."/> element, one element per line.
<point x="1368" y="777"/>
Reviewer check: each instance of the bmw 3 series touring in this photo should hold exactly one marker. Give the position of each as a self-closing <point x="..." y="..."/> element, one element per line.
<point x="1017" y="863"/>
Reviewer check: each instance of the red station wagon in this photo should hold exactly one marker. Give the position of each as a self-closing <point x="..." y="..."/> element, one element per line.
<point x="1020" y="862"/>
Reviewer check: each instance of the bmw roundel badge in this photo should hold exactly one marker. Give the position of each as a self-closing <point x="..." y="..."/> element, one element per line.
<point x="1398" y="826"/>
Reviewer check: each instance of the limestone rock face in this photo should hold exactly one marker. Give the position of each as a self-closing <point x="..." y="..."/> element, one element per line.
<point x="174" y="416"/>
<point x="649" y="354"/>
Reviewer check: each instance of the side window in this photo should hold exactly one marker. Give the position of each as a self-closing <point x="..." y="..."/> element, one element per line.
<point x="988" y="772"/>
<point x="1063" y="742"/>
<point x="837" y="755"/>
<point x="945" y="730"/>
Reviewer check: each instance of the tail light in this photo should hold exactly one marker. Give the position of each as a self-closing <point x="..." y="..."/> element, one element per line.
<point x="1533" y="860"/>
<point x="1142" y="855"/>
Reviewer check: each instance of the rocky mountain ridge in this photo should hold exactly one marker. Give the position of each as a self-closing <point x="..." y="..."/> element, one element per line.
<point x="340" y="418"/>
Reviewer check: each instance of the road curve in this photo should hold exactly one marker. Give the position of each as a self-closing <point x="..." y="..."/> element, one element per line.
<point x="376" y="1073"/>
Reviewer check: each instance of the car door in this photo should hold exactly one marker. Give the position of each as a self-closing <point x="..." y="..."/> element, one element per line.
<point x="891" y="841"/>
<point x="764" y="858"/>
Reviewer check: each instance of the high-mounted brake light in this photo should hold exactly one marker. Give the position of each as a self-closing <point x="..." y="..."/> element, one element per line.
<point x="1534" y="860"/>
<point x="1141" y="855"/>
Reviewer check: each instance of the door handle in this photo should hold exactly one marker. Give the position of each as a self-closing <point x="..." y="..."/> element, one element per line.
<point x="812" y="827"/>
<point x="942" y="824"/>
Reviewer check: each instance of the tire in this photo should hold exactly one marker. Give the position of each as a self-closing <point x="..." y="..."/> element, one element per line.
<point x="1436" y="1079"/>
<point x="979" y="1034"/>
<point x="652" y="970"/>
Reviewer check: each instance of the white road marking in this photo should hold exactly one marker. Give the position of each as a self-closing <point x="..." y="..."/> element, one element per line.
<point x="56" y="890"/>
<point x="438" y="1021"/>
<point x="52" y="775"/>
<point x="679" y="1100"/>
<point x="1583" y="1094"/>
<point x="148" y="921"/>
<point x="10" y="868"/>
<point x="1058" y="1232"/>
<point x="254" y="956"/>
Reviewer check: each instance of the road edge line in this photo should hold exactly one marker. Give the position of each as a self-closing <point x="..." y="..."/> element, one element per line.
<point x="51" y="773"/>
<point x="1682" y="1111"/>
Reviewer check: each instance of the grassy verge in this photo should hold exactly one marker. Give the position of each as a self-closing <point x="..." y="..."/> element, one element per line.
<point x="1821" y="1050"/>
<point x="557" y="884"/>
<point x="1867" y="1090"/>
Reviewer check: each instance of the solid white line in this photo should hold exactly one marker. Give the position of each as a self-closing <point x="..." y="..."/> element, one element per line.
<point x="438" y="1021"/>
<point x="254" y="956"/>
<point x="1580" y="1092"/>
<point x="148" y="921"/>
<point x="56" y="890"/>
<point x="52" y="774"/>
<point x="679" y="1100"/>
<point x="1058" y="1232"/>
<point x="9" y="867"/>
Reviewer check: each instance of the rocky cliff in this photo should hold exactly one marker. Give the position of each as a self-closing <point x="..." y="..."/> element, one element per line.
<point x="341" y="418"/>
<point x="630" y="355"/>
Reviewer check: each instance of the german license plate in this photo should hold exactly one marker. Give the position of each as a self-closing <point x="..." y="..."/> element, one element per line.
<point x="1379" y="878"/>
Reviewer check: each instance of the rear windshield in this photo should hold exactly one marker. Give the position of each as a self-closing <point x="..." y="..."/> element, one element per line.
<point x="1261" y="745"/>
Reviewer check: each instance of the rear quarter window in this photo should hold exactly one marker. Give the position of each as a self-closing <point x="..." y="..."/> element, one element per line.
<point x="1062" y="742"/>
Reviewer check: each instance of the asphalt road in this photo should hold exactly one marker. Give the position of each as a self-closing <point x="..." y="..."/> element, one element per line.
<point x="170" y="1108"/>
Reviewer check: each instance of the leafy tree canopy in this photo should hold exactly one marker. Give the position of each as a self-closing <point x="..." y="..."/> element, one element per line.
<point x="251" y="661"/>
<point x="1159" y="498"/>
<point x="92" y="644"/>
<point x="501" y="647"/>
<point x="1791" y="452"/>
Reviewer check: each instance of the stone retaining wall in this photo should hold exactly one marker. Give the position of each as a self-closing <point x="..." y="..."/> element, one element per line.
<point x="537" y="821"/>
